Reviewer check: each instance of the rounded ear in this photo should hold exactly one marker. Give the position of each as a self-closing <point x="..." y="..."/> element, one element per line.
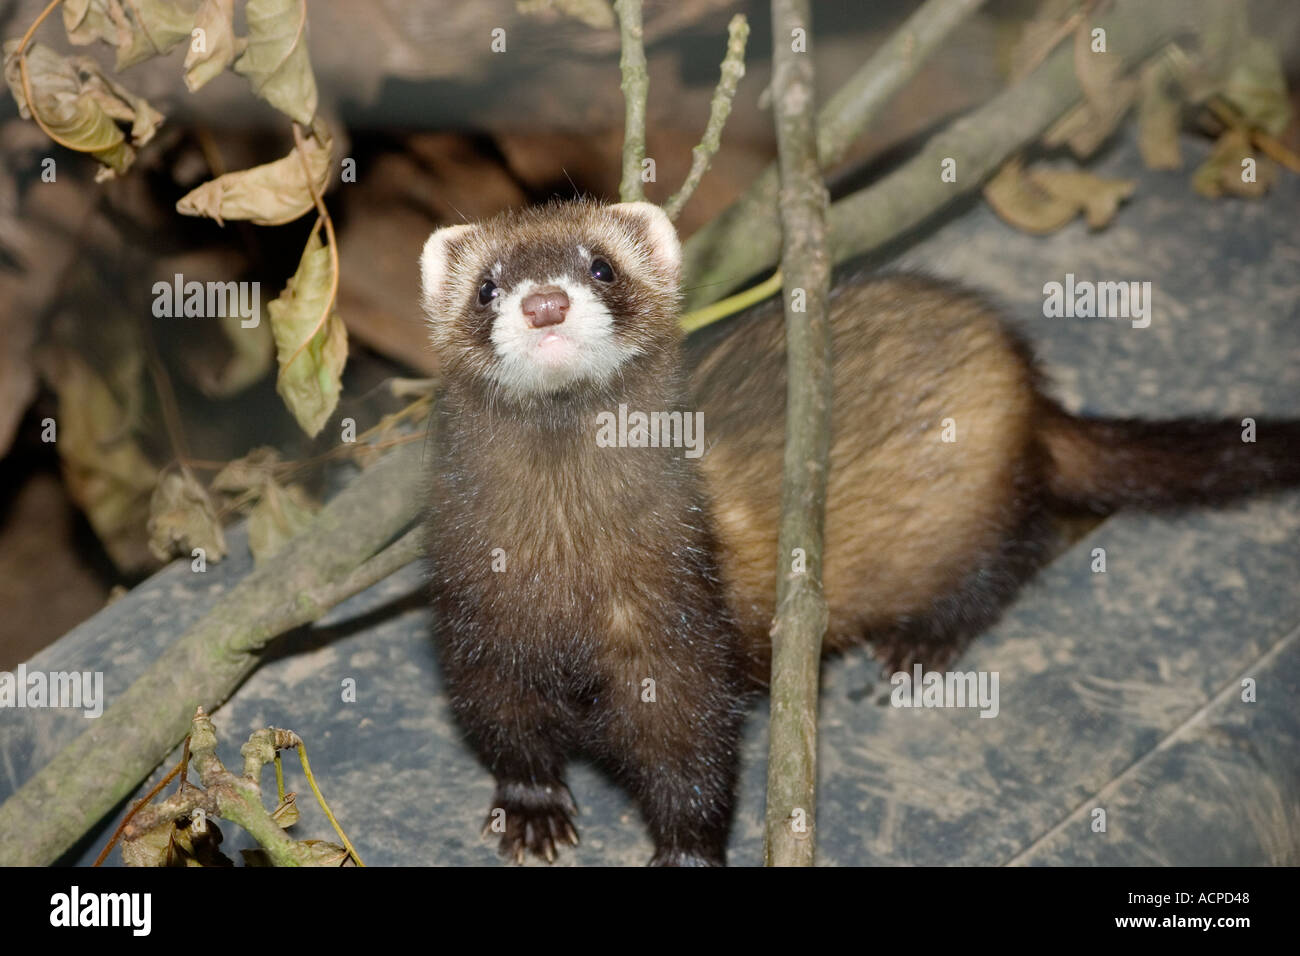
<point x="435" y="258"/>
<point x="657" y="229"/>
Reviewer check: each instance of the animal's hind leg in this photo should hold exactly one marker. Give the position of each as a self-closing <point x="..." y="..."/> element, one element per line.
<point x="939" y="633"/>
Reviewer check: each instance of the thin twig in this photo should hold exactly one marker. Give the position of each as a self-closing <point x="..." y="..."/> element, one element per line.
<point x="171" y="413"/>
<point x="746" y="239"/>
<point x="1063" y="30"/>
<point x="1267" y="144"/>
<point x="320" y="798"/>
<point x="228" y="795"/>
<point x="801" y="614"/>
<point x="733" y="68"/>
<point x="715" y="256"/>
<point x="185" y="764"/>
<point x="312" y="603"/>
<point x="140" y="805"/>
<point x="755" y="294"/>
<point x="636" y="85"/>
<point x="279" y="779"/>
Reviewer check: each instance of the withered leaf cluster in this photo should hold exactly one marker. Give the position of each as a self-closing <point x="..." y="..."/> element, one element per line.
<point x="1233" y="81"/>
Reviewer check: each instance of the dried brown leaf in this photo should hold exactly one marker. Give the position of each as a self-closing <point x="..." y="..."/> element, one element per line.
<point x="252" y="355"/>
<point x="1159" y="118"/>
<point x="1223" y="170"/>
<point x="1256" y="86"/>
<point x="1087" y="126"/>
<point x="269" y="195"/>
<point x="119" y="102"/>
<point x="275" y="61"/>
<point x="597" y="14"/>
<point x="1023" y="203"/>
<point x="286" y="814"/>
<point x="311" y="352"/>
<point x="187" y="842"/>
<point x="89" y="20"/>
<point x="244" y="474"/>
<point x="1099" y="198"/>
<point x="152" y="847"/>
<point x="1096" y="71"/>
<point x="106" y="473"/>
<point x="78" y="104"/>
<point x="149" y="28"/>
<point x="1040" y="201"/>
<point x="326" y="854"/>
<point x="1040" y="35"/>
<point x="216" y="47"/>
<point x="182" y="517"/>
<point x="276" y="518"/>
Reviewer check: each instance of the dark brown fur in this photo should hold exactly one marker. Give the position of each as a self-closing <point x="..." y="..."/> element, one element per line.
<point x="611" y="579"/>
<point x="628" y="564"/>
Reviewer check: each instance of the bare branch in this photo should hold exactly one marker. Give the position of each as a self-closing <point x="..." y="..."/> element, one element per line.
<point x="636" y="85"/>
<point x="225" y="795"/>
<point x="800" y="606"/>
<point x="89" y="776"/>
<point x="745" y="239"/>
<point x="733" y="68"/>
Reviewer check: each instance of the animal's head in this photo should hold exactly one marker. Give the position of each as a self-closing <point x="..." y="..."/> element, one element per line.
<point x="542" y="300"/>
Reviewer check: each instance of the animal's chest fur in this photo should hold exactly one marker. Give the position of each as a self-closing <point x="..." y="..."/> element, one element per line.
<point x="577" y="565"/>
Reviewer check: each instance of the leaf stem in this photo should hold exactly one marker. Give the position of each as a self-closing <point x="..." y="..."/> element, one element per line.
<point x="333" y="248"/>
<point x="21" y="53"/>
<point x="320" y="798"/>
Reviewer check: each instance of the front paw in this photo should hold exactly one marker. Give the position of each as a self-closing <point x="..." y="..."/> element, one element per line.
<point x="532" y="817"/>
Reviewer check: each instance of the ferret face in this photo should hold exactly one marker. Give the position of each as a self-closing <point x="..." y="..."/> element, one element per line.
<point x="539" y="301"/>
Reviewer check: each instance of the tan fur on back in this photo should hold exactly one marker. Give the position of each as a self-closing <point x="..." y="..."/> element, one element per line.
<point x="906" y="511"/>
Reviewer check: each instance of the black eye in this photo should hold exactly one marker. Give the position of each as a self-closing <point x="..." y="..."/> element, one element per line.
<point x="601" y="270"/>
<point x="487" y="292"/>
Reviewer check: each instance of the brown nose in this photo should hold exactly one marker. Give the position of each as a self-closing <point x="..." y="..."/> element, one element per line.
<point x="545" y="306"/>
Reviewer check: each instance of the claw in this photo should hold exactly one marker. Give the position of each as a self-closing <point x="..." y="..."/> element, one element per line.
<point x="536" y="821"/>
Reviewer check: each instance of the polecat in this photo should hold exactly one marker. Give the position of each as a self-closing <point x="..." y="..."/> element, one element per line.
<point x="614" y="598"/>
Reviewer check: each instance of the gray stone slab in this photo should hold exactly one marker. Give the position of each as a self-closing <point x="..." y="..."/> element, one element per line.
<point x="1225" y="275"/>
<point x="121" y="641"/>
<point x="1098" y="673"/>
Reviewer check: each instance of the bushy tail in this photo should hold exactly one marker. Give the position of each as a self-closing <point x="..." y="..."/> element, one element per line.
<point x="1102" y="464"/>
